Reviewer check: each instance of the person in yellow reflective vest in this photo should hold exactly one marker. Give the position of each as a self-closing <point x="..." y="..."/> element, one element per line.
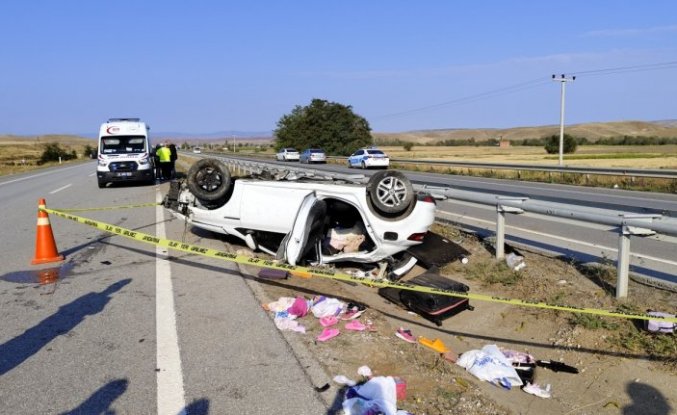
<point x="164" y="155"/>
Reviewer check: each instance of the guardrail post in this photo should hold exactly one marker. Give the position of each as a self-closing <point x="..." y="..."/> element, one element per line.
<point x="500" y="233"/>
<point x="623" y="262"/>
<point x="501" y="210"/>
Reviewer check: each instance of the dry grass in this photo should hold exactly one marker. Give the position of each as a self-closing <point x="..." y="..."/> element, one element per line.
<point x="655" y="157"/>
<point x="20" y="154"/>
<point x="591" y="131"/>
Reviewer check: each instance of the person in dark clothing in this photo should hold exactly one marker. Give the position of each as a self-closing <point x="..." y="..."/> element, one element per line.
<point x="156" y="162"/>
<point x="174" y="156"/>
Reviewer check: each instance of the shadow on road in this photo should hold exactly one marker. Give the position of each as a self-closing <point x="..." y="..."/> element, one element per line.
<point x="101" y="400"/>
<point x="17" y="350"/>
<point x="646" y="400"/>
<point x="198" y="407"/>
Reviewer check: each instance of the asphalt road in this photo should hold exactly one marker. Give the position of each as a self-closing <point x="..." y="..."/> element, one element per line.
<point x="128" y="329"/>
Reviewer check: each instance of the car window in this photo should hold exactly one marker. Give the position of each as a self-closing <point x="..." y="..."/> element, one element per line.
<point x="375" y="152"/>
<point x="358" y="153"/>
<point x="123" y="144"/>
<point x="316" y="151"/>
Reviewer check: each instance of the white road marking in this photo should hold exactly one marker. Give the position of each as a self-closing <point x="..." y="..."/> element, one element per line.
<point x="37" y="175"/>
<point x="559" y="238"/>
<point x="93" y="174"/>
<point x="61" y="188"/>
<point x="170" y="394"/>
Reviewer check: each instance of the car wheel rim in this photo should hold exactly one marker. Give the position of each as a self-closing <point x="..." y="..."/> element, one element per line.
<point x="391" y="191"/>
<point x="209" y="179"/>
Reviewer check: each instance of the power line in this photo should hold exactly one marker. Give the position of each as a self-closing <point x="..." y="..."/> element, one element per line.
<point x="634" y="68"/>
<point x="532" y="84"/>
<point x="470" y="98"/>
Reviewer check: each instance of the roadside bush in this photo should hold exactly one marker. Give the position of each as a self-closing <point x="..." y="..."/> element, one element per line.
<point x="54" y="152"/>
<point x="407" y="146"/>
<point x="552" y="144"/>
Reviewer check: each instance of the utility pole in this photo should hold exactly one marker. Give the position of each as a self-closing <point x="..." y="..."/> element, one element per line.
<point x="562" y="80"/>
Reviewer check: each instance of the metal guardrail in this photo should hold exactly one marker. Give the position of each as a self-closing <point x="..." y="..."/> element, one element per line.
<point x="602" y="171"/>
<point x="607" y="171"/>
<point x="627" y="224"/>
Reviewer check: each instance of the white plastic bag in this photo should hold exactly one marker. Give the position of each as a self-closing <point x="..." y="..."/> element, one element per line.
<point x="491" y="365"/>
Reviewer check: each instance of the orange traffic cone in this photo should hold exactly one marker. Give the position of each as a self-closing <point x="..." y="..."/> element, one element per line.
<point x="45" y="247"/>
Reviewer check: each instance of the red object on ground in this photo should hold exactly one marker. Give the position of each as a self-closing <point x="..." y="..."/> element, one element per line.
<point x="400" y="388"/>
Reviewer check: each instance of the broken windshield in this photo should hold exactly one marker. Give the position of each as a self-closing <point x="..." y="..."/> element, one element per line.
<point x="123" y="144"/>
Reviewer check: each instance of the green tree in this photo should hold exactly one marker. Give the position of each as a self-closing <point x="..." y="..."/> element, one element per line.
<point x="568" y="147"/>
<point x="89" y="151"/>
<point x="54" y="152"/>
<point x="408" y="145"/>
<point x="328" y="125"/>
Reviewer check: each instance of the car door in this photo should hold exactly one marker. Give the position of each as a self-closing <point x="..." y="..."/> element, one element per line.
<point x="307" y="231"/>
<point x="355" y="158"/>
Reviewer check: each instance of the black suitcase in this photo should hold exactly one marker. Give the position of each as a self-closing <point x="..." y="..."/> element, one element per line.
<point x="432" y="307"/>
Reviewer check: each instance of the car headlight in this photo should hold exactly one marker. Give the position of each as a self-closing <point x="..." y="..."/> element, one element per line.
<point x="102" y="163"/>
<point x="143" y="161"/>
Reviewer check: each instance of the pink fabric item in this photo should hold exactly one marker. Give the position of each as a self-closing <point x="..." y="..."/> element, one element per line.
<point x="355" y="325"/>
<point x="299" y="308"/>
<point x="328" y="321"/>
<point x="327" y="334"/>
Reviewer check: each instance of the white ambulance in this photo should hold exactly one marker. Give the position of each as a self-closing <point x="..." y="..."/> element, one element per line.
<point x="124" y="152"/>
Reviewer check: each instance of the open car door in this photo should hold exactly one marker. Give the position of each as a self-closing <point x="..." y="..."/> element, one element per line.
<point x="307" y="231"/>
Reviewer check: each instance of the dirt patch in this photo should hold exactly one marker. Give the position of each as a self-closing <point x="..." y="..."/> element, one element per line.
<point x="622" y="368"/>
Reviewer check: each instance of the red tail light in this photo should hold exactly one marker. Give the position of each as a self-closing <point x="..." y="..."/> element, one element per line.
<point x="425" y="197"/>
<point x="418" y="237"/>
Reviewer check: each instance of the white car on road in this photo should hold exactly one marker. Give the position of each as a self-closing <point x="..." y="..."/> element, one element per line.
<point x="369" y="157"/>
<point x="303" y="219"/>
<point x="287" y="154"/>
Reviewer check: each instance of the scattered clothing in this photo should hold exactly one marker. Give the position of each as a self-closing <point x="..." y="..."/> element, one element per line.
<point x="282" y="304"/>
<point x="323" y="307"/>
<point x="376" y="396"/>
<point x="299" y="308"/>
<point x="289" y="324"/>
<point x="346" y="240"/>
<point x="660" y="326"/>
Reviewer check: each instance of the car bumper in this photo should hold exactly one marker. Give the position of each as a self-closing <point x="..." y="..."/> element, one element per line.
<point x="124" y="176"/>
<point x="377" y="162"/>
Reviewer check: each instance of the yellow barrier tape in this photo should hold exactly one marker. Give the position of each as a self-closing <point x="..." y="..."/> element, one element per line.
<point x="307" y="272"/>
<point x="109" y="207"/>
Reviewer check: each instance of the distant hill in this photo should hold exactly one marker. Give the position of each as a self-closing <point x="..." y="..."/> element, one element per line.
<point x="591" y="131"/>
<point x="46" y="138"/>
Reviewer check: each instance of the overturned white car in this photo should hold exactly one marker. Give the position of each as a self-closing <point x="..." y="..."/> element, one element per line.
<point x="305" y="219"/>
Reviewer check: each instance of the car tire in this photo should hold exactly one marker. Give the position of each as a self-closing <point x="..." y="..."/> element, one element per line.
<point x="390" y="192"/>
<point x="350" y="166"/>
<point x="209" y="179"/>
<point x="364" y="166"/>
<point x="101" y="184"/>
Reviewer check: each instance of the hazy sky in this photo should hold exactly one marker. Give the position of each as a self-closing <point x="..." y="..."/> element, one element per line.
<point x="207" y="66"/>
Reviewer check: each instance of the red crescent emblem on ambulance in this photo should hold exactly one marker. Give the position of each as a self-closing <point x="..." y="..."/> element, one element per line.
<point x="112" y="130"/>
